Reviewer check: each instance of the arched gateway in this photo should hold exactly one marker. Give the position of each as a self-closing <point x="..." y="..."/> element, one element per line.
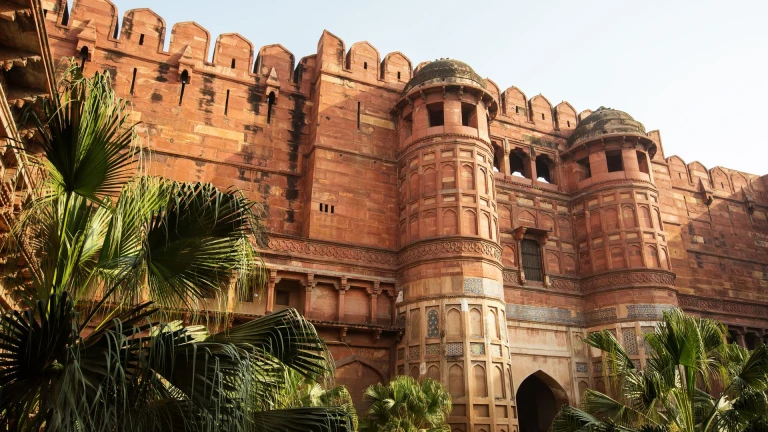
<point x="539" y="398"/>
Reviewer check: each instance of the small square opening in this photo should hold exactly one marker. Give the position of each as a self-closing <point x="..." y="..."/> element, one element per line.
<point x="468" y="115"/>
<point x="436" y="114"/>
<point x="614" y="160"/>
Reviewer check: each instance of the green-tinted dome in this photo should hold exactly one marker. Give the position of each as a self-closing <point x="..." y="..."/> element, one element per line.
<point x="603" y="122"/>
<point x="446" y="70"/>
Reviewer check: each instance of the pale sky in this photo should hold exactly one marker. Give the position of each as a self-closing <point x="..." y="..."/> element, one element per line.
<point x="696" y="69"/>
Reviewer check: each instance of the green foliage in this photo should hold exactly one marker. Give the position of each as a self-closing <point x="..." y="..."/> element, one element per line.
<point x="693" y="382"/>
<point x="94" y="349"/>
<point x="303" y="391"/>
<point x="406" y="405"/>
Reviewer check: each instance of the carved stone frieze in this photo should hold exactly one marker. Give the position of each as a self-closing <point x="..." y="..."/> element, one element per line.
<point x="615" y="280"/>
<point x="330" y="250"/>
<point x="437" y="249"/>
<point x="717" y="305"/>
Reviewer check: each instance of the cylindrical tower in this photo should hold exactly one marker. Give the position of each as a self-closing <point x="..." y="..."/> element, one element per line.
<point x="450" y="272"/>
<point x="619" y="232"/>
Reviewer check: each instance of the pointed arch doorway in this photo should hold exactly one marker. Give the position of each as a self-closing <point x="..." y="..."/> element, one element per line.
<point x="539" y="398"/>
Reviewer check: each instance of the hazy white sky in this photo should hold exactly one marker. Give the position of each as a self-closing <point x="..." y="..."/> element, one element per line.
<point x="695" y="69"/>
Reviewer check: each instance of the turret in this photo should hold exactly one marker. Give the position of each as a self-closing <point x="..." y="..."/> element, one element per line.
<point x="450" y="272"/>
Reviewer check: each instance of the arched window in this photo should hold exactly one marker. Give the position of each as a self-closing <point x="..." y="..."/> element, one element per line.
<point x="433" y="324"/>
<point x="531" y="252"/>
<point x="270" y="105"/>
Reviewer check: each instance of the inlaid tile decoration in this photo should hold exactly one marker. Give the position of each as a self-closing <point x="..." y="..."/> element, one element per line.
<point x="432" y="349"/>
<point x="401" y="353"/>
<point x="496" y="350"/>
<point x="482" y="286"/>
<point x="600" y="316"/>
<point x="651" y="312"/>
<point x="433" y="324"/>
<point x="414" y="352"/>
<point x="582" y="367"/>
<point x="597" y="367"/>
<point x="544" y="315"/>
<point x="454" y="349"/>
<point x="477" y="348"/>
<point x="630" y="340"/>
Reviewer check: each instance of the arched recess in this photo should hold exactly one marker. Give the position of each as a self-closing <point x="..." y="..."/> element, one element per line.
<point x="539" y="398"/>
<point x="450" y="223"/>
<point x="456" y="381"/>
<point x="357" y="374"/>
<point x="453" y="324"/>
<point x="469" y="222"/>
<point x="508" y="256"/>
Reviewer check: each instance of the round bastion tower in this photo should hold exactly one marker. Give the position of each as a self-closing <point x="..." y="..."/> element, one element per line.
<point x="450" y="274"/>
<point x="619" y="232"/>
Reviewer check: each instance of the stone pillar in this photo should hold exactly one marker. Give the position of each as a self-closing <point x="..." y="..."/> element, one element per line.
<point x="271" y="291"/>
<point x="342" y="291"/>
<point x="308" y="294"/>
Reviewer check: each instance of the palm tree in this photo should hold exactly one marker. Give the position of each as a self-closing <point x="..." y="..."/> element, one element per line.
<point x="112" y="258"/>
<point x="303" y="391"/>
<point x="405" y="405"/>
<point x="693" y="382"/>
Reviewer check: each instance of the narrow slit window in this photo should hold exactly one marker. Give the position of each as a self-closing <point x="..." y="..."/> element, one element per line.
<point x="568" y="122"/>
<point x="65" y="16"/>
<point x="325" y="209"/>
<point x="321" y="207"/>
<point x="184" y="81"/>
<point x="398" y="75"/>
<point x="133" y="81"/>
<point x="358" y="116"/>
<point x="436" y="114"/>
<point x="542" y="116"/>
<point x="83" y="57"/>
<point x="331" y="209"/>
<point x="615" y="163"/>
<point x="233" y="64"/>
<point x="270" y="105"/>
<point x="141" y="39"/>
<point x="226" y="104"/>
<point x="365" y="65"/>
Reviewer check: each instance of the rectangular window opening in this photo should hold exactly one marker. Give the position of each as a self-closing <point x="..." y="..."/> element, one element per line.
<point x="614" y="160"/>
<point x="584" y="170"/>
<point x="141" y="39"/>
<point x="133" y="81"/>
<point x="468" y="115"/>
<point x="321" y="207"/>
<point x="531" y="252"/>
<point x="520" y="110"/>
<point x="642" y="163"/>
<point x="365" y="65"/>
<point x="331" y="209"/>
<point x="358" y="116"/>
<point x="325" y="208"/>
<point x="282" y="298"/>
<point x="568" y="122"/>
<point x="542" y="116"/>
<point x="233" y="64"/>
<point x="226" y="104"/>
<point x="398" y="75"/>
<point x="436" y="116"/>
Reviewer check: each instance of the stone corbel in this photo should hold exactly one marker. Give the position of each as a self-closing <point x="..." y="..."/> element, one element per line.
<point x="342" y="333"/>
<point x="273" y="279"/>
<point x="423" y="96"/>
<point x="518" y="233"/>
<point x="461" y="93"/>
<point x="377" y="335"/>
